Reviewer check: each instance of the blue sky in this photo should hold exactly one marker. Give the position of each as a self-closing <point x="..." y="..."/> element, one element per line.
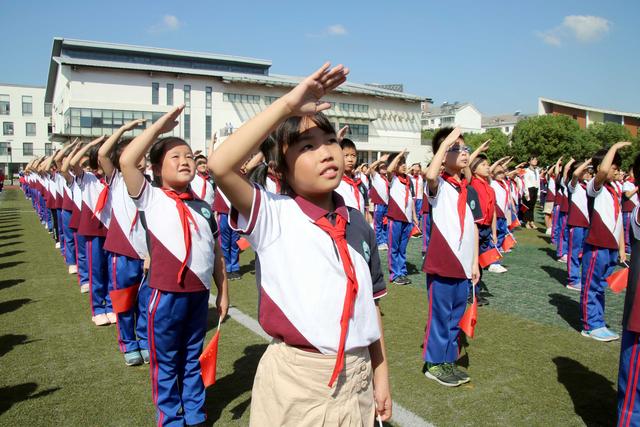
<point x="498" y="55"/>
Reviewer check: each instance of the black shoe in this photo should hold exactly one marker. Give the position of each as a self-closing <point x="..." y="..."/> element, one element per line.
<point x="482" y="301"/>
<point x="401" y="280"/>
<point x="234" y="275"/>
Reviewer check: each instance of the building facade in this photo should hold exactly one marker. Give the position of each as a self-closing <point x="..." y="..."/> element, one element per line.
<point x="25" y="126"/>
<point x="95" y="87"/>
<point x="505" y="122"/>
<point x="465" y="116"/>
<point x="586" y="115"/>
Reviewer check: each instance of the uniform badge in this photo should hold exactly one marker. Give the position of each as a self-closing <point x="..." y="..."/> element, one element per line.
<point x="205" y="213"/>
<point x="472" y="205"/>
<point x="366" y="251"/>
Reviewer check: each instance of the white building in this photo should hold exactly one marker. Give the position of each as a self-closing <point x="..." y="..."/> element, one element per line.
<point x="504" y="122"/>
<point x="94" y="87"/>
<point x="465" y="116"/>
<point x="24" y="134"/>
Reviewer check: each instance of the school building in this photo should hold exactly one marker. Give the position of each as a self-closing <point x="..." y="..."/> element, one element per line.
<point x="462" y="115"/>
<point x="586" y="115"/>
<point x="94" y="87"/>
<point x="25" y="126"/>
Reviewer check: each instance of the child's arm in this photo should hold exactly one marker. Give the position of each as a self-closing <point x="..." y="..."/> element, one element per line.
<point x="220" y="279"/>
<point x="475" y="269"/>
<point x="136" y="150"/>
<point x="605" y="165"/>
<point x="64" y="168"/>
<point x="342" y="132"/>
<point x="394" y="163"/>
<point x="75" y="160"/>
<point x="579" y="171"/>
<point x="105" y="150"/>
<point x="481" y="149"/>
<point x="565" y="171"/>
<point x="254" y="162"/>
<point x="303" y="100"/>
<point x="494" y="227"/>
<point x="433" y="171"/>
<point x="375" y="164"/>
<point x="556" y="167"/>
<point x="381" y="386"/>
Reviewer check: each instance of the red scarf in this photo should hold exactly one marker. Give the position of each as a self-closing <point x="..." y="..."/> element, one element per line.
<point x="204" y="177"/>
<point x="102" y="198"/>
<point x="461" y="186"/>
<point x="337" y="234"/>
<point x="416" y="178"/>
<point x="355" y="184"/>
<point x="486" y="197"/>
<point x="616" y="200"/>
<point x="185" y="217"/>
<point x="407" y="183"/>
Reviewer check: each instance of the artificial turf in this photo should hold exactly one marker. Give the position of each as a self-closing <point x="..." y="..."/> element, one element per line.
<point x="528" y="363"/>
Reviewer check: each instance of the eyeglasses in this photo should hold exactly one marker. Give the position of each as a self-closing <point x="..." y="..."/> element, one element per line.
<point x="459" y="149"/>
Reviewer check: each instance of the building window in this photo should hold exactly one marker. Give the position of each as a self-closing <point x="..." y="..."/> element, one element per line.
<point x="448" y="120"/>
<point x="4" y="148"/>
<point x="5" y="106"/>
<point x="155" y="93"/>
<point x="271" y="99"/>
<point x="357" y="132"/>
<point x="27" y="148"/>
<point x="187" y="112"/>
<point x="48" y="149"/>
<point x="30" y="129"/>
<point x="7" y="128"/>
<point x="506" y="129"/>
<point x="27" y="105"/>
<point x="96" y="122"/>
<point x="354" y="108"/>
<point x="47" y="109"/>
<point x="241" y="98"/>
<point x="169" y="93"/>
<point x="207" y="113"/>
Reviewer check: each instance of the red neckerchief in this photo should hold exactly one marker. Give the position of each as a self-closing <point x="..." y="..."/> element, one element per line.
<point x="461" y="186"/>
<point x="277" y="181"/>
<point x="487" y="203"/>
<point x="616" y="200"/>
<point x="185" y="217"/>
<point x="204" y="177"/>
<point x="404" y="180"/>
<point x="102" y="198"/>
<point x="416" y="178"/>
<point x="355" y="184"/>
<point x="133" y="223"/>
<point x="337" y="234"/>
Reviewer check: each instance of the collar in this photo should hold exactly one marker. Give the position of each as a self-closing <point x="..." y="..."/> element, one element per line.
<point x="315" y="212"/>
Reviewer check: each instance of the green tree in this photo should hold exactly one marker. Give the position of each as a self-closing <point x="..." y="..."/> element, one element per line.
<point x="499" y="146"/>
<point x="607" y="134"/>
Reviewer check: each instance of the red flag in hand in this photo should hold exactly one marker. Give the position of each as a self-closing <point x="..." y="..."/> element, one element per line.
<point x="487" y="258"/>
<point x="470" y="318"/>
<point x="508" y="243"/>
<point x="209" y="360"/>
<point x="618" y="281"/>
<point x="242" y="244"/>
<point x="415" y="231"/>
<point x="515" y="223"/>
<point x="124" y="299"/>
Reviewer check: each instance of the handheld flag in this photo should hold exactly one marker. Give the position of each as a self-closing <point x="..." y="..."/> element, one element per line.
<point x="523" y="208"/>
<point x="124" y="299"/>
<point x="487" y="258"/>
<point x="470" y="317"/>
<point x="416" y="231"/>
<point x="514" y="224"/>
<point x="242" y="244"/>
<point x="508" y="243"/>
<point x="209" y="359"/>
<point x="618" y="281"/>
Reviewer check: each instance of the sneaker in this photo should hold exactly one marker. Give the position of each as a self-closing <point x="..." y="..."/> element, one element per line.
<point x="496" y="268"/>
<point x="574" y="287"/>
<point x="112" y="317"/>
<point x="548" y="232"/>
<point x="145" y="356"/>
<point x="57" y="245"/>
<point x="463" y="377"/>
<point x="84" y="289"/>
<point x="383" y="247"/>
<point x="601" y="334"/>
<point x="443" y="374"/>
<point x="101" y="320"/>
<point x="401" y="280"/>
<point x="563" y="259"/>
<point x="133" y="358"/>
<point x="234" y="275"/>
<point x="73" y="269"/>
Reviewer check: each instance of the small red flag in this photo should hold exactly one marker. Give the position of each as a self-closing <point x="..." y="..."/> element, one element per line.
<point x="515" y="223"/>
<point x="415" y="231"/>
<point x="523" y="208"/>
<point x="508" y="243"/>
<point x="242" y="244"/>
<point x="385" y="220"/>
<point x="209" y="360"/>
<point x="618" y="281"/>
<point x="124" y="299"/>
<point x="487" y="258"/>
<point x="470" y="318"/>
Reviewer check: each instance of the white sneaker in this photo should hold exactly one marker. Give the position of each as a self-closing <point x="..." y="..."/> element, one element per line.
<point x="57" y="245"/>
<point x="101" y="320"/>
<point x="112" y="317"/>
<point x="383" y="247"/>
<point x="73" y="269"/>
<point x="563" y="259"/>
<point x="548" y="232"/>
<point x="497" y="268"/>
<point x="84" y="289"/>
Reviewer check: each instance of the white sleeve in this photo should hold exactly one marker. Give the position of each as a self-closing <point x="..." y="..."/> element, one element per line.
<point x="591" y="191"/>
<point x="262" y="226"/>
<point x="433" y="198"/>
<point x="146" y="197"/>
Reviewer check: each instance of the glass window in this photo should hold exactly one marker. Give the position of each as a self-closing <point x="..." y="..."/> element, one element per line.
<point x="357" y="132"/>
<point x="270" y="99"/>
<point x="187" y="95"/>
<point x="7" y="128"/>
<point x="155" y="93"/>
<point x="27" y="105"/>
<point x="48" y="149"/>
<point x="47" y="109"/>
<point x="27" y="148"/>
<point x="4" y="148"/>
<point x="169" y="93"/>
<point x="5" y="106"/>
<point x="30" y="129"/>
<point x="354" y="108"/>
<point x="187" y="112"/>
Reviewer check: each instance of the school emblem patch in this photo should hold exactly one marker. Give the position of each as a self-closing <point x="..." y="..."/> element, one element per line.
<point x="472" y="205"/>
<point x="205" y="213"/>
<point x="366" y="250"/>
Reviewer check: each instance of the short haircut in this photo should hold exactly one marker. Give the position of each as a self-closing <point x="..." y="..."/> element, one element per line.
<point x="476" y="162"/>
<point x="440" y="136"/>
<point x="93" y="156"/>
<point x="159" y="148"/>
<point x="117" y="152"/>
<point x="597" y="158"/>
<point x="347" y="143"/>
<point x="200" y="157"/>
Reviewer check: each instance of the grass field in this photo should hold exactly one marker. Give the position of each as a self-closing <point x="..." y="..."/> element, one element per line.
<point x="529" y="365"/>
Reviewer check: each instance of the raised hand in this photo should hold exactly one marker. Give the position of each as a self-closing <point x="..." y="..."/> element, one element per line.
<point x="132" y="124"/>
<point x="305" y="98"/>
<point x="342" y="132"/>
<point x="169" y="121"/>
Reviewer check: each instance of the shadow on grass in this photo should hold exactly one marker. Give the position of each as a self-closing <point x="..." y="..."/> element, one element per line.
<point x="9" y="236"/>
<point x="551" y="252"/>
<point x="229" y="387"/>
<point x="2" y="245"/>
<point x="9" y="342"/>
<point x="10" y="264"/>
<point x="593" y="395"/>
<point x="568" y="309"/>
<point x="4" y="284"/>
<point x="558" y="273"/>
<point x="17" y="393"/>
<point x="248" y="268"/>
<point x="412" y="269"/>
<point x="13" y="305"/>
<point x="10" y="253"/>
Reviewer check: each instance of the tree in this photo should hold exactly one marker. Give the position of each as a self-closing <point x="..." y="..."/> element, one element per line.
<point x="499" y="146"/>
<point x="607" y="134"/>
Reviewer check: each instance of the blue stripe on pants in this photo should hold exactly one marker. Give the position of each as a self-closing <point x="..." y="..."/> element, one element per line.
<point x="98" y="275"/>
<point x="177" y="326"/>
<point x="228" y="239"/>
<point x="81" y="259"/>
<point x="447" y="302"/>
<point x="69" y="241"/>
<point x="576" y="242"/>
<point x="597" y="265"/>
<point x="379" y="226"/>
<point x="426" y="231"/>
<point x="399" y="232"/>
<point x="125" y="272"/>
<point x="628" y="372"/>
<point x="141" y="322"/>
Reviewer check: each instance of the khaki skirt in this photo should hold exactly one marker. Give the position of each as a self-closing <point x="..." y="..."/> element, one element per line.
<point x="291" y="389"/>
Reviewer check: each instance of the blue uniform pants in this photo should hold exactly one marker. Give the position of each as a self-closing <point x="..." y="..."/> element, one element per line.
<point x="379" y="213"/>
<point x="576" y="242"/>
<point x="399" y="232"/>
<point x="485" y="240"/>
<point x="69" y="242"/>
<point x="418" y="204"/>
<point x="125" y="272"/>
<point x="177" y="326"/>
<point x="97" y="261"/>
<point x="228" y="239"/>
<point x="554" y="224"/>
<point x="81" y="258"/>
<point x="426" y="231"/>
<point x="60" y="230"/>
<point x="501" y="231"/>
<point x="447" y="303"/>
<point x="562" y="245"/>
<point x="144" y="293"/>
<point x="597" y="265"/>
<point x="628" y="385"/>
<point x="626" y="217"/>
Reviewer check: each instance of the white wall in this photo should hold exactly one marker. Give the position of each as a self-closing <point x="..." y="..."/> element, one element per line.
<point x="469" y="119"/>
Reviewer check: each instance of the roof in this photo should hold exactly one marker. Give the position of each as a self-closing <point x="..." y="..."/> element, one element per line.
<point x="19" y="85"/>
<point x="59" y="58"/>
<point x="502" y="119"/>
<point x="449" y="109"/>
<point x="587" y="107"/>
